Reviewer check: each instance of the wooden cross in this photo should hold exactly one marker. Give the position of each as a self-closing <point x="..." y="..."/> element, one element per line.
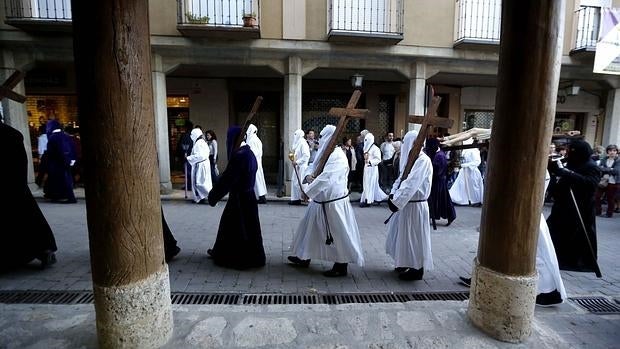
<point x="429" y="120"/>
<point x="6" y="89"/>
<point x="248" y="121"/>
<point x="345" y="115"/>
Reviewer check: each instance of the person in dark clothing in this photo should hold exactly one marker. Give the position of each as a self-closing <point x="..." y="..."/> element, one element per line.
<point x="439" y="202"/>
<point x="239" y="243"/>
<point x="170" y="243"/>
<point x="359" y="164"/>
<point x="61" y="156"/>
<point x="580" y="176"/>
<point x="184" y="149"/>
<point x="25" y="235"/>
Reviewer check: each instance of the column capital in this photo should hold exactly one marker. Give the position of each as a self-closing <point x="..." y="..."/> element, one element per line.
<point x="295" y="65"/>
<point x="157" y="63"/>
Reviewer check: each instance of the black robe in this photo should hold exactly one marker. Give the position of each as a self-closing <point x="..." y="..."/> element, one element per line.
<point x="239" y="243"/>
<point x="60" y="152"/>
<point x="24" y="232"/>
<point x="569" y="240"/>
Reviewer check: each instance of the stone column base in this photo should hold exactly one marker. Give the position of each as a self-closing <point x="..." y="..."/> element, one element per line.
<point x="502" y="305"/>
<point x="165" y="188"/>
<point x="138" y="315"/>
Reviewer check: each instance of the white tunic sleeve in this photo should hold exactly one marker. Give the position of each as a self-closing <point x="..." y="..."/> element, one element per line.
<point x="200" y="152"/>
<point x="329" y="184"/>
<point x="374" y="156"/>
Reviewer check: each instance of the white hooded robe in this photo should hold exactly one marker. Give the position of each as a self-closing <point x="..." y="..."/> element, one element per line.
<point x="372" y="191"/>
<point x="251" y="139"/>
<point x="201" y="166"/>
<point x="468" y="186"/>
<point x="331" y="184"/>
<point x="302" y="156"/>
<point x="409" y="233"/>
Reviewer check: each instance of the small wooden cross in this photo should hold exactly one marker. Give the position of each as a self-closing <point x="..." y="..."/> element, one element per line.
<point x="428" y="121"/>
<point x="345" y="115"/>
<point x="6" y="89"/>
<point x="248" y="121"/>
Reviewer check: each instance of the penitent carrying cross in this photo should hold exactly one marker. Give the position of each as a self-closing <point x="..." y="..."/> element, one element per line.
<point x="345" y="115"/>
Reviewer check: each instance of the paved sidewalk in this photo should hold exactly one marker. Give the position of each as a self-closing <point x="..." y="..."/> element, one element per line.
<point x="437" y="324"/>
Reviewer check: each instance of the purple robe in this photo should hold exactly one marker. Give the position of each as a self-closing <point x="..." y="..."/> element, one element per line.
<point x="440" y="204"/>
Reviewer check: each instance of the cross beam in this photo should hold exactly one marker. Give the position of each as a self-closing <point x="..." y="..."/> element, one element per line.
<point x="248" y="121"/>
<point x="345" y="115"/>
<point x="6" y="89"/>
<point x="429" y="120"/>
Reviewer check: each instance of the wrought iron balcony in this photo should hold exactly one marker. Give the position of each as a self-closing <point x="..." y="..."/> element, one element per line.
<point x="477" y="22"/>
<point x="366" y="21"/>
<point x="231" y="19"/>
<point x="38" y="15"/>
<point x="588" y="20"/>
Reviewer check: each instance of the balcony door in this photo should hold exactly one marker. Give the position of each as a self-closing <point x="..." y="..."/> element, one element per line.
<point x="221" y="12"/>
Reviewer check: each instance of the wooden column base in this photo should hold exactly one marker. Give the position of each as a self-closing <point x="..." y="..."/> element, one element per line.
<point x="137" y="315"/>
<point x="502" y="305"/>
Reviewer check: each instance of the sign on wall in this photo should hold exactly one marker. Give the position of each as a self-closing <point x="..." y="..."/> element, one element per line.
<point x="607" y="57"/>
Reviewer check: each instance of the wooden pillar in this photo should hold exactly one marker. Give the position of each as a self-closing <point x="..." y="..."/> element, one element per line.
<point x="504" y="278"/>
<point x="115" y="99"/>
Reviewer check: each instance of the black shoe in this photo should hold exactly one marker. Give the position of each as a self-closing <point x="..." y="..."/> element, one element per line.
<point x="465" y="281"/>
<point x="210" y="253"/>
<point x="304" y="263"/>
<point x="364" y="204"/>
<point x="549" y="299"/>
<point x="449" y="222"/>
<point x="47" y="258"/>
<point x="339" y="269"/>
<point x="295" y="202"/>
<point x="262" y="199"/>
<point x="175" y="251"/>
<point x="400" y="269"/>
<point x="411" y="274"/>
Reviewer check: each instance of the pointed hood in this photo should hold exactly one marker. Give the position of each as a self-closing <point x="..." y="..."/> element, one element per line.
<point x="298" y="137"/>
<point x="195" y="134"/>
<point x="408" y="141"/>
<point x="231" y="136"/>
<point x="369" y="140"/>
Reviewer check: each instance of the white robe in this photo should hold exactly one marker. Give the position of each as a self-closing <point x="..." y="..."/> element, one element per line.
<point x="468" y="187"/>
<point x="409" y="231"/>
<point x="372" y="191"/>
<point x="302" y="156"/>
<point x="201" y="170"/>
<point x="549" y="277"/>
<point x="309" y="239"/>
<point x="260" y="187"/>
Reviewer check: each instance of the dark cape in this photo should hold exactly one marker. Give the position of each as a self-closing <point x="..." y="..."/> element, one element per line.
<point x="60" y="152"/>
<point x="439" y="202"/>
<point x="582" y="176"/>
<point x="24" y="232"/>
<point x="239" y="243"/>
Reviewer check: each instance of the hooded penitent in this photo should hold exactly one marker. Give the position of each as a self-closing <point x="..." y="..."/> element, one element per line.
<point x="231" y="136"/>
<point x="326" y="134"/>
<point x="195" y="134"/>
<point x="369" y="140"/>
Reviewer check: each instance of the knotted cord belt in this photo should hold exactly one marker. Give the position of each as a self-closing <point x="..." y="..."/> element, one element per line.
<point x="387" y="220"/>
<point x="329" y="239"/>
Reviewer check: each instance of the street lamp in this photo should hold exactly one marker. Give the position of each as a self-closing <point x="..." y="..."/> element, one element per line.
<point x="356" y="81"/>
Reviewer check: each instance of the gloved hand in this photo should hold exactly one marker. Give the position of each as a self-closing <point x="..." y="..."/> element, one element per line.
<point x="391" y="205"/>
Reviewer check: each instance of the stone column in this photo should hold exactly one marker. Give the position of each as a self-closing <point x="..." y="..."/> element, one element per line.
<point x="292" y="112"/>
<point x="115" y="95"/>
<point x="611" y="128"/>
<point x="417" y="88"/>
<point x="15" y="114"/>
<point x="161" y="124"/>
<point x="504" y="278"/>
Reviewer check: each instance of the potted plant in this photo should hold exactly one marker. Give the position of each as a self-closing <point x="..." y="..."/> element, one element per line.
<point x="196" y="19"/>
<point x="249" y="19"/>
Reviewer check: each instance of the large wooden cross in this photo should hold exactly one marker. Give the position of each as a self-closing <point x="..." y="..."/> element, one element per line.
<point x="248" y="121"/>
<point x="428" y="121"/>
<point x="6" y="89"/>
<point x="345" y="115"/>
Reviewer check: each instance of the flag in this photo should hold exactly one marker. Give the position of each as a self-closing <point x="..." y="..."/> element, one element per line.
<point x="607" y="57"/>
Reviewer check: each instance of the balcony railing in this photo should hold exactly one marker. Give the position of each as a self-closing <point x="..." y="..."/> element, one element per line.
<point x="218" y="12"/>
<point x="38" y="10"/>
<point x="477" y="22"/>
<point x="379" y="19"/>
<point x="588" y="22"/>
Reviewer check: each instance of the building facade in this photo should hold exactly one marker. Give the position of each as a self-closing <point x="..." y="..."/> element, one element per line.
<point x="211" y="58"/>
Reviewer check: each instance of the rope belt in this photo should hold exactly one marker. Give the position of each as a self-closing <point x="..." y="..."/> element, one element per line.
<point x="390" y="217"/>
<point x="329" y="239"/>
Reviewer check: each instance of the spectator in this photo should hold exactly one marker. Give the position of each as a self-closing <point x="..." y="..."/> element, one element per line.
<point x="385" y="168"/>
<point x="349" y="150"/>
<point x="313" y="145"/>
<point x="609" y="183"/>
<point x="212" y="142"/>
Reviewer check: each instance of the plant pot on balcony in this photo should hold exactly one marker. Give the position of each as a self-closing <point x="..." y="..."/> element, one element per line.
<point x="249" y="20"/>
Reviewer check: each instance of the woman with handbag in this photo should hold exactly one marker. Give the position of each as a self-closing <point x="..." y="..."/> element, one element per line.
<point x="610" y="168"/>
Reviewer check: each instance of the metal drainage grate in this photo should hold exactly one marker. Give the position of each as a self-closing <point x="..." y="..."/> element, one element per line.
<point x="85" y="297"/>
<point x="597" y="305"/>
